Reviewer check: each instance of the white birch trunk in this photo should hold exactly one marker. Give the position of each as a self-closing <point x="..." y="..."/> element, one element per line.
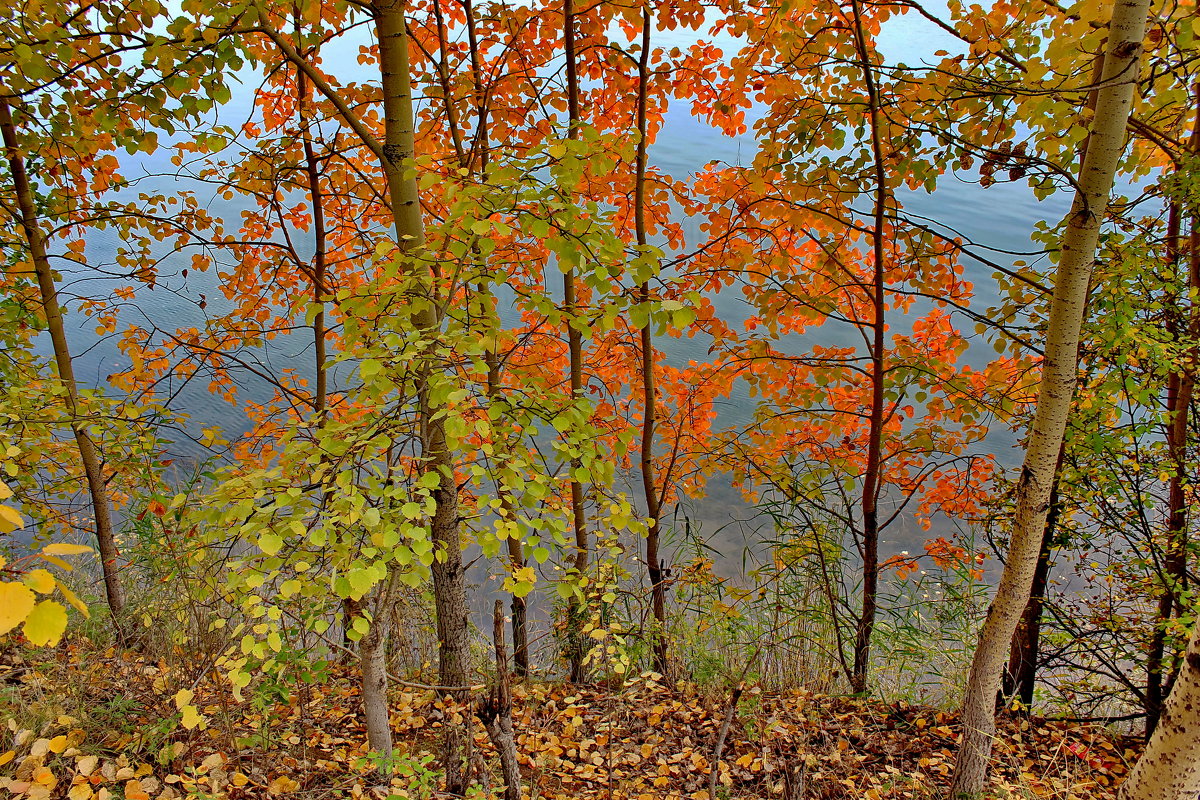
<point x="1106" y="142"/>
<point x="1169" y="769"/>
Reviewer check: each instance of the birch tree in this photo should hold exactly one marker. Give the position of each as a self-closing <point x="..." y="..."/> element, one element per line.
<point x="1106" y="142"/>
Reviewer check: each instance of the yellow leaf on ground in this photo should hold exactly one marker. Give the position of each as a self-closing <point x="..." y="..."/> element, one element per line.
<point x="239" y="779"/>
<point x="282" y="785"/>
<point x="86" y="765"/>
<point x="191" y="717"/>
<point x="45" y="776"/>
<point x="80" y="791"/>
<point x="46" y="623"/>
<point x="134" y="791"/>
<point x="7" y="757"/>
<point x="58" y="744"/>
<point x="16" y="601"/>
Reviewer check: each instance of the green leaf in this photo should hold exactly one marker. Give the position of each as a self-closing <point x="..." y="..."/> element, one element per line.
<point x="270" y="543"/>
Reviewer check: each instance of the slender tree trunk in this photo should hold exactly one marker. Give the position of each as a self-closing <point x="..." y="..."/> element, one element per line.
<point x="872" y="473"/>
<point x="577" y="609"/>
<point x="312" y="170"/>
<point x="1021" y="676"/>
<point x="93" y="468"/>
<point x="1180" y="393"/>
<point x="480" y="148"/>
<point x="650" y="489"/>
<point x="1054" y="398"/>
<point x="1169" y="768"/>
<point x="372" y="652"/>
<point x="496" y="713"/>
<point x="449" y="579"/>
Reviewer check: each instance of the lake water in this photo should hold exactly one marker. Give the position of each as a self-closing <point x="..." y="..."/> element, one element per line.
<point x="1000" y="217"/>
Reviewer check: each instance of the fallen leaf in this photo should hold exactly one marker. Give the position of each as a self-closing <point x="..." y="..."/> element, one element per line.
<point x="283" y="785"/>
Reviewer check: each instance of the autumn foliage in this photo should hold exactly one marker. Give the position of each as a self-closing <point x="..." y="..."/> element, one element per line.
<point x="325" y="324"/>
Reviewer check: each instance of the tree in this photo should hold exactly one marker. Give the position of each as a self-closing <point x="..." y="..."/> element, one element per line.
<point x="1106" y="141"/>
<point x="1169" y="768"/>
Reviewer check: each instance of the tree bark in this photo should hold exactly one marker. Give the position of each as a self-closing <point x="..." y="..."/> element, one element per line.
<point x="1180" y="393"/>
<point x="1078" y="252"/>
<point x="650" y="489"/>
<point x="496" y="713"/>
<point x="93" y="468"/>
<point x="449" y="579"/>
<point x="372" y="652"/>
<point x="1021" y="676"/>
<point x="873" y="471"/>
<point x="1169" y="768"/>
<point x="576" y="608"/>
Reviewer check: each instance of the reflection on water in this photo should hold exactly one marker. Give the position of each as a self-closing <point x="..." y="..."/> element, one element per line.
<point x="1000" y="217"/>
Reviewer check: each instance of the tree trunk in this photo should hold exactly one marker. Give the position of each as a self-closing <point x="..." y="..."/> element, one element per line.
<point x="872" y="474"/>
<point x="1169" y="768"/>
<point x="372" y="652"/>
<point x="496" y="713"/>
<point x="1185" y="323"/>
<point x="1054" y="398"/>
<point x="1021" y="676"/>
<point x="449" y="579"/>
<point x="93" y="468"/>
<point x="650" y="489"/>
<point x="577" y="609"/>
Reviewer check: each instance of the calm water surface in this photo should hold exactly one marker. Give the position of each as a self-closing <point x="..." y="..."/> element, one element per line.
<point x="1000" y="217"/>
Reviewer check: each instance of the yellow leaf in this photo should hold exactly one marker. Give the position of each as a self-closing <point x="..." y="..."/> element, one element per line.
<point x="58" y="744"/>
<point x="16" y="601"/>
<point x="46" y="623"/>
<point x="56" y="561"/>
<point x="80" y="606"/>
<point x="86" y="765"/>
<point x="5" y="492"/>
<point x="40" y="580"/>
<point x="191" y="717"/>
<point x="239" y="779"/>
<point x="10" y="520"/>
<point x="65" y="549"/>
<point x="80" y="791"/>
<point x="134" y="791"/>
<point x="45" y="776"/>
<point x="183" y="697"/>
<point x="282" y="785"/>
<point x="7" y="757"/>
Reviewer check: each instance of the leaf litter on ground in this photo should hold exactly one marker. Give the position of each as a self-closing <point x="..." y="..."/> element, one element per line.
<point x="103" y="726"/>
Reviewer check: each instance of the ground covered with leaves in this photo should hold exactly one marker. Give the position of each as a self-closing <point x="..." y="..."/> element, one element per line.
<point x="89" y="725"/>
